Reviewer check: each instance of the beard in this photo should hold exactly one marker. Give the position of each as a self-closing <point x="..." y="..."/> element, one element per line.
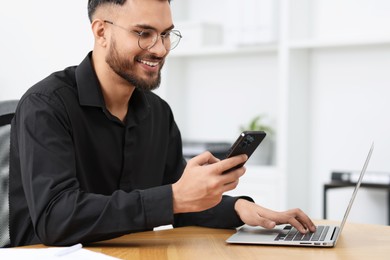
<point x="126" y="70"/>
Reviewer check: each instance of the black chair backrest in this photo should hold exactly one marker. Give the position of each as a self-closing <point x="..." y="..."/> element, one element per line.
<point x="7" y="110"/>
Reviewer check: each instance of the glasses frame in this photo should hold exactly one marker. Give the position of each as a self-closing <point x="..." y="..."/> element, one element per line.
<point x="162" y="36"/>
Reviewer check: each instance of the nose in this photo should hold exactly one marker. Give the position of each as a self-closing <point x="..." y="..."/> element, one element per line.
<point x="158" y="48"/>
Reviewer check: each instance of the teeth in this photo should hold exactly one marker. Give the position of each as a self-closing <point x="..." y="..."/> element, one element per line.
<point x="149" y="63"/>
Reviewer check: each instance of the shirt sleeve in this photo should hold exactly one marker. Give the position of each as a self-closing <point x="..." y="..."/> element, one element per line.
<point x="62" y="213"/>
<point x="221" y="216"/>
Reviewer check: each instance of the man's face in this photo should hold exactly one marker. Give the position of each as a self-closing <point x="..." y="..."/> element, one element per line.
<point x="141" y="68"/>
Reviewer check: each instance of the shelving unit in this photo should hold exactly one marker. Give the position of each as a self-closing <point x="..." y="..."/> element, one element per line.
<point x="226" y="51"/>
<point x="215" y="89"/>
<point x="346" y="43"/>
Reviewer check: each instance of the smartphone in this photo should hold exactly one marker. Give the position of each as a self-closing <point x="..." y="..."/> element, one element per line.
<point x="246" y="143"/>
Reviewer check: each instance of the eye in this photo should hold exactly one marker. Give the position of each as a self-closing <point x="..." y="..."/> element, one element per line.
<point x="166" y="34"/>
<point x="146" y="34"/>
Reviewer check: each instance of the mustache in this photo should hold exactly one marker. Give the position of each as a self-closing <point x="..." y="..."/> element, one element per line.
<point x="150" y="57"/>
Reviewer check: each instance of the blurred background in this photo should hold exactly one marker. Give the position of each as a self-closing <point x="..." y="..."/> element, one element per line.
<point x="314" y="73"/>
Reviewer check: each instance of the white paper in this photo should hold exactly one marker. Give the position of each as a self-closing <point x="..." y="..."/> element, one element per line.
<point x="50" y="253"/>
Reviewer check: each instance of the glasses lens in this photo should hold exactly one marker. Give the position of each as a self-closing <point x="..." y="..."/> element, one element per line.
<point x="148" y="38"/>
<point x="174" y="39"/>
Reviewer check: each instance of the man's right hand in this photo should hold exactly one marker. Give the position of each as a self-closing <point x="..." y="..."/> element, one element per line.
<point x="203" y="183"/>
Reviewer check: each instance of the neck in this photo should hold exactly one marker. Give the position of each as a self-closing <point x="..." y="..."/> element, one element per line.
<point x="117" y="99"/>
<point x="116" y="91"/>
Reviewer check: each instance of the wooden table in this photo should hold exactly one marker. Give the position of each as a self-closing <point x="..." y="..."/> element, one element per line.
<point x="358" y="241"/>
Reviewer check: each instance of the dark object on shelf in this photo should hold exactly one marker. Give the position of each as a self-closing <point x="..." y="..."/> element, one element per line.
<point x="370" y="177"/>
<point x="343" y="184"/>
<point x="194" y="148"/>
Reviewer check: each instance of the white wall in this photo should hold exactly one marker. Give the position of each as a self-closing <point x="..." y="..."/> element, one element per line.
<point x="348" y="100"/>
<point x="38" y="38"/>
<point x="221" y="95"/>
<point x="350" y="109"/>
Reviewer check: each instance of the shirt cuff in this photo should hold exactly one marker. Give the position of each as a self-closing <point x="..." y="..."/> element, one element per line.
<point x="158" y="205"/>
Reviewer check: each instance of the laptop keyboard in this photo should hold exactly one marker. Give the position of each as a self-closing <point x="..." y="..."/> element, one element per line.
<point x="292" y="234"/>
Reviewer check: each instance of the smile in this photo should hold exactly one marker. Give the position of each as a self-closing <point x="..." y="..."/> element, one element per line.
<point x="149" y="63"/>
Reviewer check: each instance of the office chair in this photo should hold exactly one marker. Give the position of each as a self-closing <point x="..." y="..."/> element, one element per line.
<point x="7" y="111"/>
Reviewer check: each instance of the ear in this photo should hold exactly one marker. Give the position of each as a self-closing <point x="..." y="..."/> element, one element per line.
<point x="99" y="32"/>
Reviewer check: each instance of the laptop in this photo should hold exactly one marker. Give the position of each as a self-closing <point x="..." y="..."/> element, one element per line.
<point x="325" y="236"/>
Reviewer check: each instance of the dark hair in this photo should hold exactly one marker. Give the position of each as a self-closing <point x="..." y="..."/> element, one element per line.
<point x="94" y="4"/>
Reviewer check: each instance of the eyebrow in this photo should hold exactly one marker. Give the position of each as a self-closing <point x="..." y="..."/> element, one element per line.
<point x="146" y="26"/>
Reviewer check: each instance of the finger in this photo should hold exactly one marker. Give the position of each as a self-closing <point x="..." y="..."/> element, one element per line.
<point x="265" y="222"/>
<point x="203" y="158"/>
<point x="303" y="219"/>
<point x="298" y="225"/>
<point x="230" y="186"/>
<point x="229" y="163"/>
<point x="233" y="175"/>
<point x="306" y="222"/>
<point x="213" y="159"/>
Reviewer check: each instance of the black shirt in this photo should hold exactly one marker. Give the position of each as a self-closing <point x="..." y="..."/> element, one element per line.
<point x="79" y="174"/>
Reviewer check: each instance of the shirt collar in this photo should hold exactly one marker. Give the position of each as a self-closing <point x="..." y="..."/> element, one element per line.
<point x="90" y="93"/>
<point x="88" y="86"/>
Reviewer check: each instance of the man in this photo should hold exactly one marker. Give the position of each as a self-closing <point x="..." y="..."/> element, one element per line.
<point x="95" y="154"/>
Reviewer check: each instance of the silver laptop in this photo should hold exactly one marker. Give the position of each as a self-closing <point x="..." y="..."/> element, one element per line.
<point x="325" y="236"/>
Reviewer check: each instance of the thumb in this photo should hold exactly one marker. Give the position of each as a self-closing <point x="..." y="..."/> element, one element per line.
<point x="266" y="223"/>
<point x="203" y="158"/>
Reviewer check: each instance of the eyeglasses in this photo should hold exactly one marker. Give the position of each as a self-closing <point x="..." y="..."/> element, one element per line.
<point x="147" y="38"/>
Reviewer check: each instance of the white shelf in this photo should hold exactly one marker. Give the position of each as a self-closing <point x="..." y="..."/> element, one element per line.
<point x="224" y="51"/>
<point x="273" y="48"/>
<point x="339" y="43"/>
